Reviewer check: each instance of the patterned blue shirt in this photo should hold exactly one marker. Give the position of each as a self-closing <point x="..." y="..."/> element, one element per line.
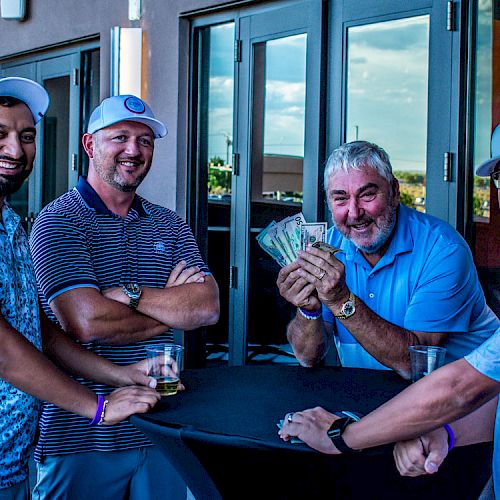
<point x="486" y="359"/>
<point x="19" y="307"/>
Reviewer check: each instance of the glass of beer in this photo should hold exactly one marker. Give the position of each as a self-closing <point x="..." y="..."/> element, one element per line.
<point x="164" y="362"/>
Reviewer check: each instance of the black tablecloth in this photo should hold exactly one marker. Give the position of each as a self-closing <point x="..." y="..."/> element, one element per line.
<point x="221" y="435"/>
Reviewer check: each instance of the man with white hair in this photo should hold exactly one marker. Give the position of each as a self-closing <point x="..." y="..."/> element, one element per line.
<point x="444" y="395"/>
<point x="401" y="278"/>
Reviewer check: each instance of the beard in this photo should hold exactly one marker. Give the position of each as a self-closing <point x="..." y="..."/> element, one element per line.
<point x="112" y="177"/>
<point x="9" y="184"/>
<point x="385" y="229"/>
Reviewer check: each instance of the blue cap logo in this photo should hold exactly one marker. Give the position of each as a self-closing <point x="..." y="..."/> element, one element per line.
<point x="135" y="105"/>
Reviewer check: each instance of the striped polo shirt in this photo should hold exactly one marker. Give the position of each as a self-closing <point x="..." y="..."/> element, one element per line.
<point x="77" y="242"/>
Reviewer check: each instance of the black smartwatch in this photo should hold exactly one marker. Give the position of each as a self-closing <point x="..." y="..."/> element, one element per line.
<point x="133" y="292"/>
<point x="338" y="427"/>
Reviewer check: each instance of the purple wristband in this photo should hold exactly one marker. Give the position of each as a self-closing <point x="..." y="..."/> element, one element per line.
<point x="98" y="412"/>
<point x="451" y="437"/>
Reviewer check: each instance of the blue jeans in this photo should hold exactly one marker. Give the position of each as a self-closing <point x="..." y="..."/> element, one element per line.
<point x="138" y="474"/>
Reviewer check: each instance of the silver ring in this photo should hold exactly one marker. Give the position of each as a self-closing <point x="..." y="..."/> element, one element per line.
<point x="322" y="274"/>
<point x="289" y="417"/>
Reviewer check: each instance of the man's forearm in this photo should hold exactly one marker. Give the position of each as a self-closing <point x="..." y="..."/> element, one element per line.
<point x="386" y="342"/>
<point x="441" y="397"/>
<point x="24" y="367"/>
<point x="76" y="360"/>
<point x="309" y="339"/>
<point x="88" y="316"/>
<point x="478" y="426"/>
<point x="185" y="307"/>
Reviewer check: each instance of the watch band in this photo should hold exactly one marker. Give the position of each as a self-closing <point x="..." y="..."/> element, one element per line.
<point x="133" y="302"/>
<point x="341" y="445"/>
<point x="339" y="426"/>
<point x="351" y="301"/>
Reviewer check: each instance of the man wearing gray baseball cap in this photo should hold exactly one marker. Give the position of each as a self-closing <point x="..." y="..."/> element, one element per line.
<point x="117" y="272"/>
<point x="25" y="373"/>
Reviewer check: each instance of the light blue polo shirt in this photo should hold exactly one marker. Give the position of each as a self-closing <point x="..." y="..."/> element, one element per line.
<point x="486" y="359"/>
<point x="426" y="281"/>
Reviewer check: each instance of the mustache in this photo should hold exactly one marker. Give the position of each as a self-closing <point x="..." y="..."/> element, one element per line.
<point x="362" y="220"/>
<point x="22" y="160"/>
<point x="137" y="158"/>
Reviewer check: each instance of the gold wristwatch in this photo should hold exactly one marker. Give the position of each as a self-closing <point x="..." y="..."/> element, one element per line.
<point x="348" y="307"/>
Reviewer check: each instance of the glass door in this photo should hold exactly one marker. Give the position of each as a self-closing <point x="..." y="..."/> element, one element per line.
<point x="277" y="140"/>
<point x="392" y="81"/>
<point x="256" y="129"/>
<point x="58" y="160"/>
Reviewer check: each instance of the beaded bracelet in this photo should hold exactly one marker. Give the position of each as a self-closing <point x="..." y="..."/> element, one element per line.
<point x="310" y="315"/>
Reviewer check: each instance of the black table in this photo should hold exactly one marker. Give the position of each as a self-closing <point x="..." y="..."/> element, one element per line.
<point x="221" y="435"/>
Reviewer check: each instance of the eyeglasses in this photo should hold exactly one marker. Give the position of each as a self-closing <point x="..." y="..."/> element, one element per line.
<point x="494" y="177"/>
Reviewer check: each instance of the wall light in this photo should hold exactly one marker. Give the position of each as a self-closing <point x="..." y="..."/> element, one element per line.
<point x="13" y="9"/>
<point x="126" y="61"/>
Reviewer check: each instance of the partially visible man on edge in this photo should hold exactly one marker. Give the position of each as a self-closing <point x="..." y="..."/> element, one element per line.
<point x="25" y="373"/>
<point x="117" y="273"/>
<point x="402" y="277"/>
<point x="455" y="390"/>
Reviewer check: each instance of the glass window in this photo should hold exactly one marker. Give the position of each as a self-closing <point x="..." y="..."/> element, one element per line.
<point x="387" y="81"/>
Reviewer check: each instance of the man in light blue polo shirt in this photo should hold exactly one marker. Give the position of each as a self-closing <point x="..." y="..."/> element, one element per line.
<point x="452" y="391"/>
<point x="401" y="278"/>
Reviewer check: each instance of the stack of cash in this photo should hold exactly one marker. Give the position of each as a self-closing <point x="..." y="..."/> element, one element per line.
<point x="281" y="240"/>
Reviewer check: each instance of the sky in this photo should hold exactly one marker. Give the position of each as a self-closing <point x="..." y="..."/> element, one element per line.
<point x="387" y="81"/>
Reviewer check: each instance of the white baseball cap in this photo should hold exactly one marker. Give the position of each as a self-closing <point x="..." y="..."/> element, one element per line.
<point x="124" y="107"/>
<point x="28" y="91"/>
<point x="485" y="169"/>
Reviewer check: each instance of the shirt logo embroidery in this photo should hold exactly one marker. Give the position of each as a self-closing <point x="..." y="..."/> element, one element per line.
<point x="159" y="247"/>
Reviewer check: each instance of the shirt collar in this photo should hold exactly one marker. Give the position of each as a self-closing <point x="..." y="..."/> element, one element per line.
<point x="10" y="220"/>
<point x="92" y="199"/>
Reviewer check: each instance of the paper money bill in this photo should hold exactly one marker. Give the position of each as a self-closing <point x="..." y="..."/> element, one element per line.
<point x="291" y="228"/>
<point x="310" y="232"/>
<point x="265" y="241"/>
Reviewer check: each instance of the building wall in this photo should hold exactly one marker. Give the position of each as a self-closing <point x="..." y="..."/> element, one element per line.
<point x="50" y="23"/>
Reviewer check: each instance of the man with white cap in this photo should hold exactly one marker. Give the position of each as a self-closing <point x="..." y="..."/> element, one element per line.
<point x="117" y="273"/>
<point x="25" y="373"/>
<point x="455" y="390"/>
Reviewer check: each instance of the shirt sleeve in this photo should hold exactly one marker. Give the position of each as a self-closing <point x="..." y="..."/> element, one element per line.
<point x="187" y="249"/>
<point x="447" y="294"/>
<point x="61" y="255"/>
<point x="486" y="358"/>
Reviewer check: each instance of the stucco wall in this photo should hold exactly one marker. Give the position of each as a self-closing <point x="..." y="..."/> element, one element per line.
<point x="53" y="22"/>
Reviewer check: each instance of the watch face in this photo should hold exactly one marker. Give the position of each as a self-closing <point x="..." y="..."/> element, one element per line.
<point x="134" y="290"/>
<point x="348" y="309"/>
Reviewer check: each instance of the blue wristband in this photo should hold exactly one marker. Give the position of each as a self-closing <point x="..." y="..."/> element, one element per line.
<point x="310" y="315"/>
<point x="451" y="437"/>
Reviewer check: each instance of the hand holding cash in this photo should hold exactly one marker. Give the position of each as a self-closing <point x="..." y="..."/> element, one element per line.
<point x="281" y="240"/>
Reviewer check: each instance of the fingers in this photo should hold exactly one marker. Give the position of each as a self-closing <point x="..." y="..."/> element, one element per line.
<point x="176" y="271"/>
<point x="285" y="271"/>
<point x="436" y="456"/>
<point x="409" y="457"/>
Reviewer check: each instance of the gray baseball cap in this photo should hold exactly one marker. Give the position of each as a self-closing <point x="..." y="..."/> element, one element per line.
<point x="28" y="91"/>
<point x="120" y="108"/>
<point x="485" y="169"/>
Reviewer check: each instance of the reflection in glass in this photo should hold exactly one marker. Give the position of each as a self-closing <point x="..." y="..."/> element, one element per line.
<point x="215" y="150"/>
<point x="277" y="158"/>
<point x="483" y="108"/>
<point x="387" y="96"/>
<point x="56" y="140"/>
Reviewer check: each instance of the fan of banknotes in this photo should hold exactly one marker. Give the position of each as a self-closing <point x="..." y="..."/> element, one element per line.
<point x="281" y="240"/>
